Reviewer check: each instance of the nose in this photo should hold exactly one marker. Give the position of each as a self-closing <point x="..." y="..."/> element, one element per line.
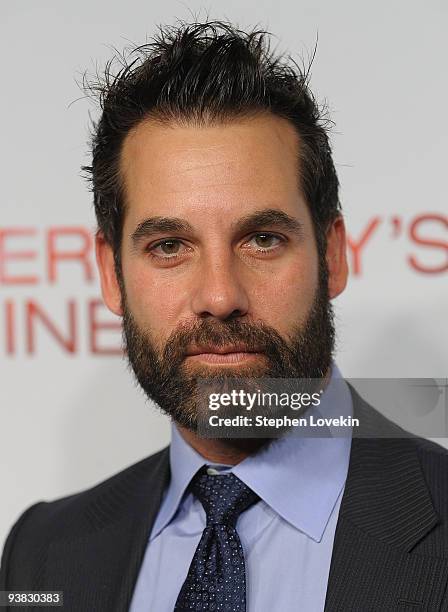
<point x="219" y="291"/>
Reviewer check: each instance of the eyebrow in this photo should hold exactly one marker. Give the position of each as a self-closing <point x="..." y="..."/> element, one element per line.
<point x="269" y="216"/>
<point x="158" y="225"/>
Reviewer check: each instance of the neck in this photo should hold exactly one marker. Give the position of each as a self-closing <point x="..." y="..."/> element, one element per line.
<point x="230" y="451"/>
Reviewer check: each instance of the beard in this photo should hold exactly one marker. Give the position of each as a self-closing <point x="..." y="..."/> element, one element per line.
<point x="168" y="380"/>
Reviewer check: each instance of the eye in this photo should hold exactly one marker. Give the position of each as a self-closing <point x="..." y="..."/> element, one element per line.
<point x="167" y="249"/>
<point x="265" y="241"/>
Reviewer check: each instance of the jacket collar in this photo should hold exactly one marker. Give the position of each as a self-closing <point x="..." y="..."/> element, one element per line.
<point x="385" y="511"/>
<point x="386" y="494"/>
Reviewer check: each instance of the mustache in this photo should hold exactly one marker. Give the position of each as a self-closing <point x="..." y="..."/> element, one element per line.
<point x="255" y="336"/>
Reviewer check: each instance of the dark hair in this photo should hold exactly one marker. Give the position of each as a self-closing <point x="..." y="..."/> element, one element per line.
<point x="207" y="73"/>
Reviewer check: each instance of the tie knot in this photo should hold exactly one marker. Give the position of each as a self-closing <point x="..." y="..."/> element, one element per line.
<point x="224" y="496"/>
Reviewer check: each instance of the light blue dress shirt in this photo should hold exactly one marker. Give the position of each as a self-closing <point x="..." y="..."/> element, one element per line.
<point x="287" y="536"/>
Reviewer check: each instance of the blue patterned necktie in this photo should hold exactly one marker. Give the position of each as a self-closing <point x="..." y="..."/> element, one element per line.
<point x="216" y="579"/>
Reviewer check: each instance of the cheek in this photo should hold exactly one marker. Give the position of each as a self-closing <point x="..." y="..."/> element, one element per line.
<point x="156" y="304"/>
<point x="287" y="297"/>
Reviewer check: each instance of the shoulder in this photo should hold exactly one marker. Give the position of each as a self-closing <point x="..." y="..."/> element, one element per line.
<point x="401" y="453"/>
<point x="375" y="425"/>
<point x="80" y="513"/>
<point x="124" y="483"/>
<point x="434" y="463"/>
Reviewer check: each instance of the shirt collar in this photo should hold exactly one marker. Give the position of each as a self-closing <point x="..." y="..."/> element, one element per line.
<point x="300" y="478"/>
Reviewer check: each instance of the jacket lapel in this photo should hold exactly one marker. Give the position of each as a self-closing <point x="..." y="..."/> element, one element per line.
<point x="386" y="510"/>
<point x="99" y="568"/>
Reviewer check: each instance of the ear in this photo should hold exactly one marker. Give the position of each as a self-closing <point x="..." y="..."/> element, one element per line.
<point x="110" y="288"/>
<point x="336" y="257"/>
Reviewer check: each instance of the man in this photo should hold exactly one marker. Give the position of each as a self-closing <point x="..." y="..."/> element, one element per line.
<point x="221" y="244"/>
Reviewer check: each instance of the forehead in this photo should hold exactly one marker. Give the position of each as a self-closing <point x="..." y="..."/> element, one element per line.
<point x="206" y="170"/>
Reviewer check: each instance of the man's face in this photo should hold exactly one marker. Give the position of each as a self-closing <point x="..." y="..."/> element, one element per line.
<point x="219" y="259"/>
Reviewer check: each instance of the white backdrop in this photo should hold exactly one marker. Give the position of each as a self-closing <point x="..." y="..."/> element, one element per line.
<point x="70" y="414"/>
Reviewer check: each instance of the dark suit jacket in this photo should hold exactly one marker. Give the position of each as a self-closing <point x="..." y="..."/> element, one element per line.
<point x="390" y="550"/>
